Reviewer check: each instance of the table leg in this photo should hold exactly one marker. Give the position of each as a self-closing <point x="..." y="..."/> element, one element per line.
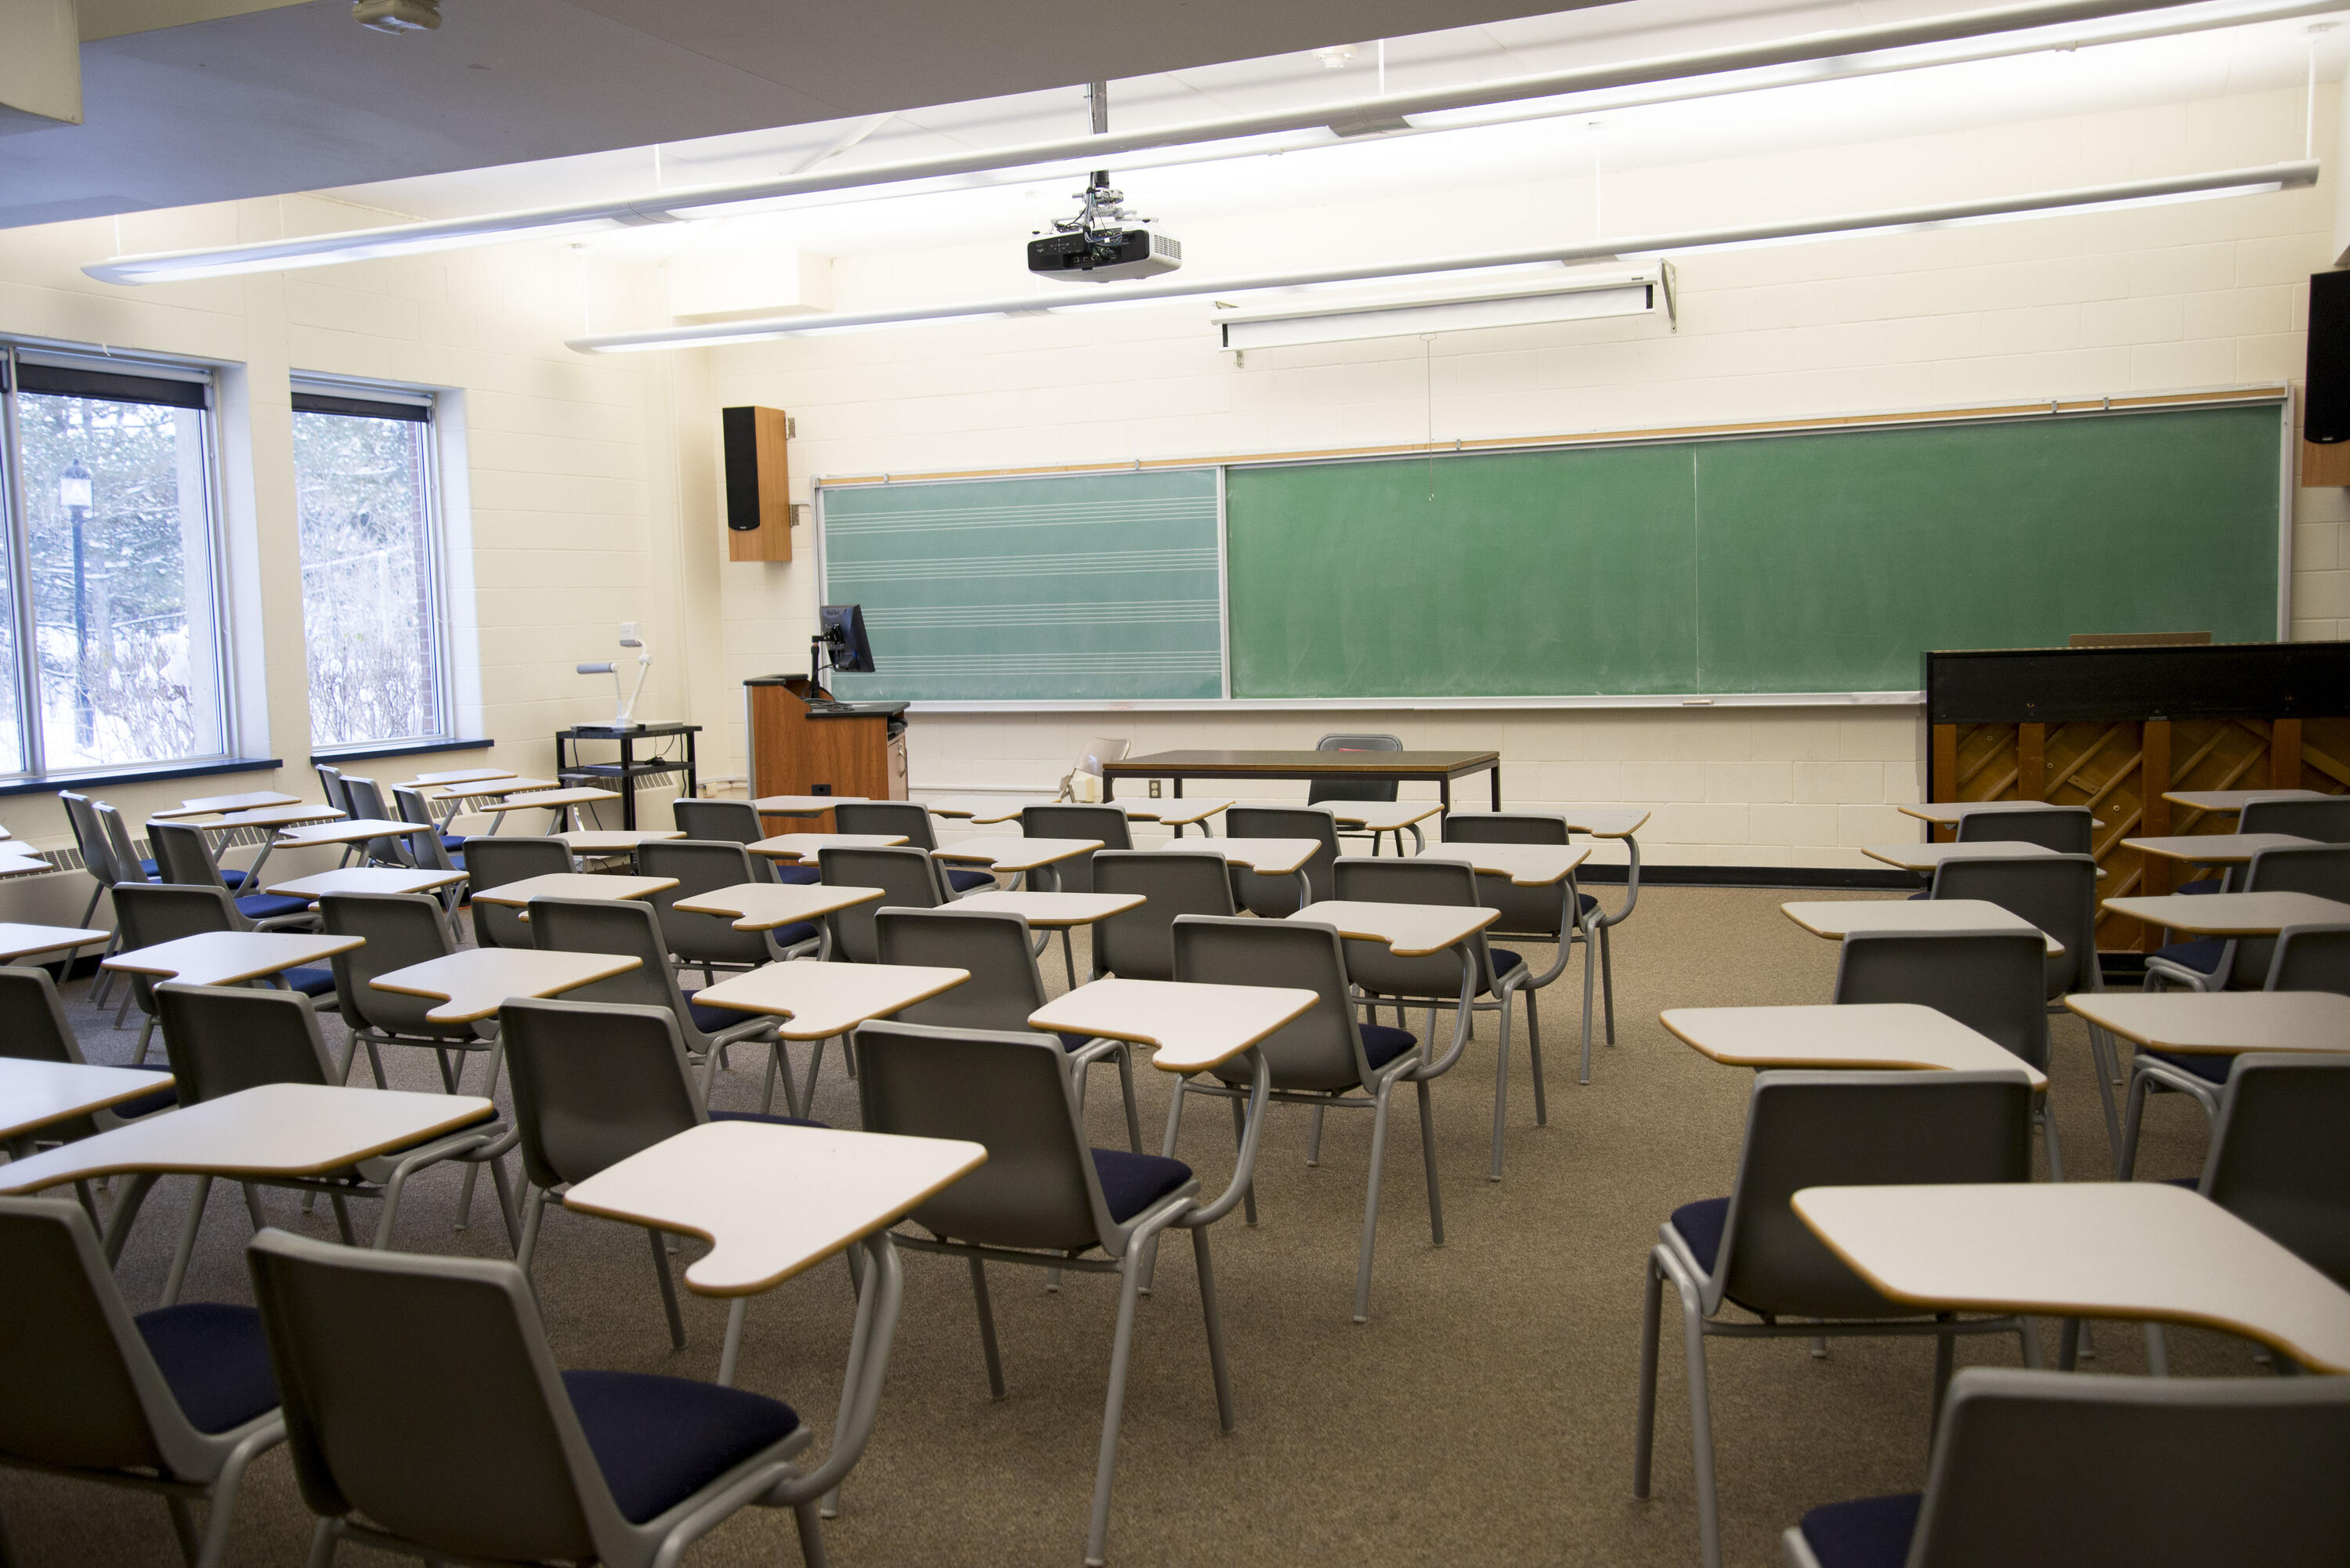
<point x="628" y="784"/>
<point x="1497" y="786"/>
<point x="1444" y="796"/>
<point x="1179" y="787"/>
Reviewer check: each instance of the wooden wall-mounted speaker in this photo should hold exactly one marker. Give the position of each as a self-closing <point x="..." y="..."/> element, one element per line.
<point x="758" y="506"/>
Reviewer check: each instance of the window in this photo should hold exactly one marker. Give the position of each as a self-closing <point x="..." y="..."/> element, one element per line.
<point x="112" y="646"/>
<point x="371" y="601"/>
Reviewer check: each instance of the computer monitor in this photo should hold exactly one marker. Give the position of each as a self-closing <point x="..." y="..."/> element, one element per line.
<point x="844" y="635"/>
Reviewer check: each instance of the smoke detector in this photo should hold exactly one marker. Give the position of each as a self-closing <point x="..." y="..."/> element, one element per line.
<point x="397" y="17"/>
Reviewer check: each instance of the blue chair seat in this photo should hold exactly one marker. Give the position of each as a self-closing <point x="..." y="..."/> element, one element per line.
<point x="2209" y="1066"/>
<point x="1504" y="960"/>
<point x="215" y="1359"/>
<point x="964" y="881"/>
<point x="1383" y="1043"/>
<point x="269" y="906"/>
<point x="145" y="1104"/>
<point x="1071" y="1041"/>
<point x="150" y="868"/>
<point x="659" y="1440"/>
<point x="1131" y="1183"/>
<point x="799" y="876"/>
<point x="453" y="842"/>
<point x="2201" y="885"/>
<point x="763" y="1117"/>
<point x="1585" y="903"/>
<point x="711" y="1019"/>
<point x="235" y="881"/>
<point x="311" y="982"/>
<point x="2201" y="955"/>
<point x="1921" y="898"/>
<point x="791" y="936"/>
<point x="1867" y="1532"/>
<point x="1701" y="1225"/>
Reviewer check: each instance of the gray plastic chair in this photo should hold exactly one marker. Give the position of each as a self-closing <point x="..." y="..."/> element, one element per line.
<point x="2048" y="1468"/>
<point x="1991" y="981"/>
<point x="1320" y="790"/>
<point x="182" y="856"/>
<point x="175" y="1402"/>
<point x="906" y="817"/>
<point x="1380" y="975"/>
<point x="908" y="878"/>
<point x="1273" y="897"/>
<point x="1044" y="1198"/>
<point x="623" y="1468"/>
<point x="2305" y="958"/>
<point x="39" y="1031"/>
<point x="494" y="862"/>
<point x="399" y="929"/>
<point x="2320" y="821"/>
<point x="733" y="822"/>
<point x="1139" y="944"/>
<point x="629" y="927"/>
<point x="594" y="1082"/>
<point x="1537" y="911"/>
<point x="151" y="914"/>
<point x="1324" y="1058"/>
<point x="1106" y="823"/>
<point x="330" y="788"/>
<point x="2276" y="1153"/>
<point x="2063" y="828"/>
<point x="711" y="942"/>
<point x="89" y="837"/>
<point x="222" y="1039"/>
<point x="1098" y="750"/>
<point x="1006" y="985"/>
<point x="122" y="854"/>
<point x="367" y="802"/>
<point x="433" y="851"/>
<point x="1749" y="1249"/>
<point x="2215" y="963"/>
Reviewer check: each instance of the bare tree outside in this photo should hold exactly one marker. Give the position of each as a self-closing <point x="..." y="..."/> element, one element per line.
<point x="368" y="598"/>
<point x="125" y="659"/>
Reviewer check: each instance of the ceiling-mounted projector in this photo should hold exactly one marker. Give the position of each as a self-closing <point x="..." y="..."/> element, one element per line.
<point x="1103" y="243"/>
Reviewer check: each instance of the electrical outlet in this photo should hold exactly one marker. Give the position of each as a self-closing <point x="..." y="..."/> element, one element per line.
<point x="791" y="428"/>
<point x="1154" y="789"/>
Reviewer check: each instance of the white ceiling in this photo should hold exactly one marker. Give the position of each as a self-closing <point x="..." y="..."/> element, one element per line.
<point x="299" y="97"/>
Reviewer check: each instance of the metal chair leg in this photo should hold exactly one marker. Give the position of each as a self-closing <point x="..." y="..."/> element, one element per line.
<point x="1371" y="1204"/>
<point x="187" y="1248"/>
<point x="987" y="1328"/>
<point x="1113" y="1410"/>
<point x="1533" y="1059"/>
<point x="1428" y="1157"/>
<point x="1240" y="1136"/>
<point x="1607" y="981"/>
<point x="1213" y="1318"/>
<point x="1313" y="1139"/>
<point x="669" y="1291"/>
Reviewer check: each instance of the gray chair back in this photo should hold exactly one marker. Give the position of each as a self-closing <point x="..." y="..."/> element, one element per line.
<point x="593" y="1083"/>
<point x="619" y="925"/>
<point x="1994" y="983"/>
<point x="1140" y="944"/>
<point x="399" y="929"/>
<point x="702" y="866"/>
<point x="904" y="816"/>
<point x="1383" y="880"/>
<point x="89" y="837"/>
<point x="224" y="1038"/>
<point x="733" y="821"/>
<point x="1525" y="911"/>
<point x="2321" y="869"/>
<point x="1014" y="1093"/>
<point x="2052" y="1467"/>
<point x="79" y="1389"/>
<point x="1106" y="823"/>
<point x="995" y="945"/>
<point x="37" y="1028"/>
<point x="2311" y="958"/>
<point x="425" y="848"/>
<point x="121" y="853"/>
<point x="331" y="787"/>
<point x="181" y="855"/>
<point x="2276" y="1160"/>
<point x="908" y="878"/>
<point x="367" y="801"/>
<point x="1855" y="1129"/>
<point x="2325" y="821"/>
<point x="147" y="914"/>
<point x="2063" y="828"/>
<point x="1320" y="1050"/>
<point x="494" y="862"/>
<point x="1272" y="896"/>
<point x="1354" y="789"/>
<point x="2057" y="893"/>
<point x="371" y="1347"/>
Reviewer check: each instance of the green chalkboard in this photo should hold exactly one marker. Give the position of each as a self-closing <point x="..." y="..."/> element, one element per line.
<point x="1823" y="561"/>
<point x="1070" y="587"/>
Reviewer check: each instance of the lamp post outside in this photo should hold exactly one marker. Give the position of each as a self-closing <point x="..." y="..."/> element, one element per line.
<point x="74" y="493"/>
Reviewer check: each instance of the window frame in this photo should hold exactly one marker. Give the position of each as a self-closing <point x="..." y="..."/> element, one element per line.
<point x="383" y="400"/>
<point x="32" y="771"/>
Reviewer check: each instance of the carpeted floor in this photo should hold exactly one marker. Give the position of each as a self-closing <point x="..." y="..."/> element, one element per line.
<point x="1483" y="1416"/>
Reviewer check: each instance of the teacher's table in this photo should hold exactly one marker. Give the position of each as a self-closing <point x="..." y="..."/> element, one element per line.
<point x="1891" y="1035"/>
<point x="773" y="1201"/>
<point x="1439" y="768"/>
<point x="2132" y="1249"/>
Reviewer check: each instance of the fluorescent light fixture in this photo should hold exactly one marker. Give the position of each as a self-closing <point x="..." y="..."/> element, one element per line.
<point x="1571" y="297"/>
<point x="1817" y="56"/>
<point x="2135" y="193"/>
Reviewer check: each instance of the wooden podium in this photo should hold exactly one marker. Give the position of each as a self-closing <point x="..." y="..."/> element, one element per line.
<point x="797" y="750"/>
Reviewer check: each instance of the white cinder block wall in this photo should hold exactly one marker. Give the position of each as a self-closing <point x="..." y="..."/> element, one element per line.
<point x="2150" y="300"/>
<point x="575" y="492"/>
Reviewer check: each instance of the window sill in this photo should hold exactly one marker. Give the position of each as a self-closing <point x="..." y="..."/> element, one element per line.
<point x="397" y="749"/>
<point x="149" y="774"/>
